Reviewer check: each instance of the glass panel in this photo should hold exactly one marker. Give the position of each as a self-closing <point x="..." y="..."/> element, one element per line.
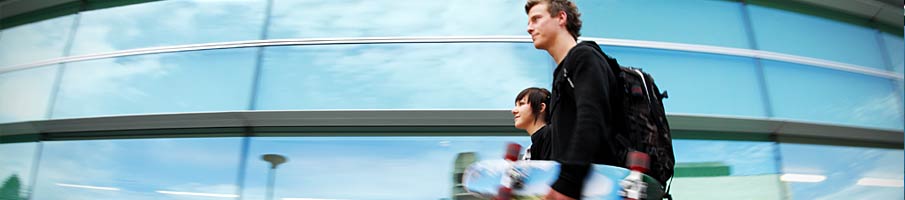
<point x="34" y="42"/>
<point x="895" y="48"/>
<point x="824" y="95"/>
<point x="699" y="83"/>
<point x="214" y="80"/>
<point x="164" y="23"/>
<point x="15" y="170"/>
<point x="717" y="23"/>
<point x="139" y="169"/>
<point x="26" y="94"/>
<point x="709" y="169"/>
<point x="400" y="76"/>
<point x="842" y="172"/>
<point x="369" y="18"/>
<point x="784" y="32"/>
<point x="364" y="167"/>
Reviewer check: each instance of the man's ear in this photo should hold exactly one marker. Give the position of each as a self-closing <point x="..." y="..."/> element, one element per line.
<point x="543" y="107"/>
<point x="563" y="18"/>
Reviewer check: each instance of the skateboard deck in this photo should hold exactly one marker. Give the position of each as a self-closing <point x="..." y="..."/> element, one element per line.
<point x="484" y="178"/>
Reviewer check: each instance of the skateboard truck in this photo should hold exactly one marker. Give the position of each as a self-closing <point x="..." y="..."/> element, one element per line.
<point x="514" y="178"/>
<point x="633" y="187"/>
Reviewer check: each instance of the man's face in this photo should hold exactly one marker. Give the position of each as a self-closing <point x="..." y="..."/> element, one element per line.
<point x="542" y="26"/>
<point x="522" y="114"/>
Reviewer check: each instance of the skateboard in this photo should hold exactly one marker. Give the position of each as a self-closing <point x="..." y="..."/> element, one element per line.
<point x="530" y="179"/>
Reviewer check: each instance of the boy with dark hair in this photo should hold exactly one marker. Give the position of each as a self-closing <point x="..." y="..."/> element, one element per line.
<point x="584" y="99"/>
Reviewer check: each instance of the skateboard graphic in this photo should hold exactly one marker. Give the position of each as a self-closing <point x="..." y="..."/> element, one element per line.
<point x="530" y="179"/>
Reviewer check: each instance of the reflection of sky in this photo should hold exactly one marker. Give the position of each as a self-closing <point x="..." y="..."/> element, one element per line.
<point x="26" y="94"/>
<point x="783" y="31"/>
<point x="366" y="18"/>
<point x="164" y="23"/>
<point x="214" y="80"/>
<point x="34" y="42"/>
<point x="365" y="167"/>
<point x="895" y="49"/>
<point x="743" y="158"/>
<point x="832" y="96"/>
<point x="400" y="76"/>
<point x="717" y="23"/>
<point x="16" y="159"/>
<point x="138" y="168"/>
<point x="843" y="166"/>
<point x="379" y="167"/>
<point x="699" y="83"/>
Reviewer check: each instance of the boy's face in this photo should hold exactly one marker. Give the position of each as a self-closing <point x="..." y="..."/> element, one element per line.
<point x="542" y="26"/>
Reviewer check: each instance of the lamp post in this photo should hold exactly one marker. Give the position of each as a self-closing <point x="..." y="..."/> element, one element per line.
<point x="274" y="160"/>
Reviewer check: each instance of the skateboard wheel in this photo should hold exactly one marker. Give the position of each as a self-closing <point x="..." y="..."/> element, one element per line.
<point x="512" y="151"/>
<point x="638" y="161"/>
<point x="504" y="193"/>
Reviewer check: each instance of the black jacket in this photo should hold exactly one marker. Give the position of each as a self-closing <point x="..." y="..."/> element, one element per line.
<point x="582" y="114"/>
<point x="541" y="146"/>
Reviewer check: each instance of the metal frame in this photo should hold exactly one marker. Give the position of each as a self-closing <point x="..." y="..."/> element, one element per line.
<point x="421" y="123"/>
<point x="467" y="39"/>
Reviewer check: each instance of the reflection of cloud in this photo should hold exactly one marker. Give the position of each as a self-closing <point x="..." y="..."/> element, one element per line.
<point x="885" y="111"/>
<point x="862" y="192"/>
<point x="34" y="42"/>
<point x="199" y="190"/>
<point x="369" y="168"/>
<point x="843" y="170"/>
<point x="417" y="76"/>
<point x="105" y="79"/>
<point x="133" y="167"/>
<point x="743" y="158"/>
<point x="315" y="18"/>
<point x="26" y="94"/>
<point x="17" y="161"/>
<point x="112" y="75"/>
<point x="168" y="23"/>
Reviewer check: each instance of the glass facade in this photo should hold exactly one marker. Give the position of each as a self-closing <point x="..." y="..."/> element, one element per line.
<point x="16" y="169"/>
<point x="32" y="89"/>
<point x="34" y="42"/>
<point x="723" y="19"/>
<point x="844" y="173"/>
<point x="165" y="23"/>
<point x="214" y="80"/>
<point x="699" y="83"/>
<point x="820" y="96"/>
<point x="139" y="169"/>
<point x="364" y="167"/>
<point x="781" y="31"/>
<point x="347" y="74"/>
<point x="382" y="18"/>
<point x="399" y="76"/>
<point x="709" y="169"/>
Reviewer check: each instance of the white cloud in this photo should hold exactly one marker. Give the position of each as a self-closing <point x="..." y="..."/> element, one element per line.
<point x="879" y="112"/>
<point x="34" y="42"/>
<point x="26" y="94"/>
<point x="396" y="18"/>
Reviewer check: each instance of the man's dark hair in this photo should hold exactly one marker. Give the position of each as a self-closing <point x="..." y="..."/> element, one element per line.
<point x="536" y="96"/>
<point x="573" y="20"/>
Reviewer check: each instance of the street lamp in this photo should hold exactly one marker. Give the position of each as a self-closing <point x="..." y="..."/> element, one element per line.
<point x="274" y="160"/>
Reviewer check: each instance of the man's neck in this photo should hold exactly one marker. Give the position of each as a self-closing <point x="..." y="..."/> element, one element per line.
<point x="561" y="48"/>
<point x="534" y="127"/>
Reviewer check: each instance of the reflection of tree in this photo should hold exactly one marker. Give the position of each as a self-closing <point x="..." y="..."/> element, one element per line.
<point x="11" y="188"/>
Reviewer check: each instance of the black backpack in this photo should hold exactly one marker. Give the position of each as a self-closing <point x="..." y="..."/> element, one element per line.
<point x="645" y="128"/>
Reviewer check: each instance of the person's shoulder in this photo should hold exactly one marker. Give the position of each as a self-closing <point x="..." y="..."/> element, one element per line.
<point x="585" y="51"/>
